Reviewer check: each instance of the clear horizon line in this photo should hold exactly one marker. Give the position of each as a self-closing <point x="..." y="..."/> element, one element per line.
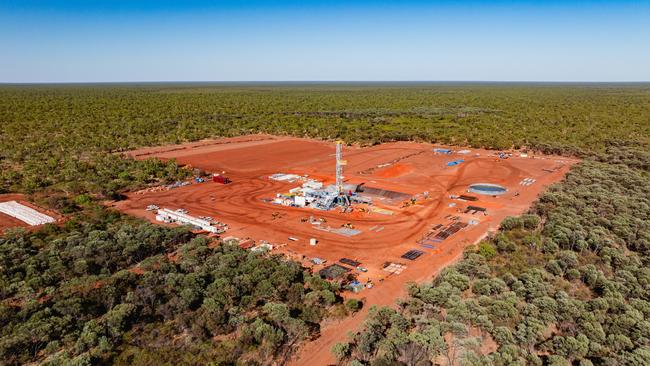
<point x="325" y="81"/>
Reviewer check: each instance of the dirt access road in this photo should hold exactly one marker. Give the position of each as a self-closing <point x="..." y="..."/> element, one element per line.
<point x="386" y="234"/>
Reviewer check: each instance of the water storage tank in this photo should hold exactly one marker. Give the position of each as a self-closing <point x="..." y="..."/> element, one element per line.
<point x="487" y="189"/>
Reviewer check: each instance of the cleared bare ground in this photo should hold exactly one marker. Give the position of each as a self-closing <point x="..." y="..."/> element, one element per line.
<point x="411" y="168"/>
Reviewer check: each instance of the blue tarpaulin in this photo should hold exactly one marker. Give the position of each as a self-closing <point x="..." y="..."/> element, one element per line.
<point x="455" y="162"/>
<point x="442" y="151"/>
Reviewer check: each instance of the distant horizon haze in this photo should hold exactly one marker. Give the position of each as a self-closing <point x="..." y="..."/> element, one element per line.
<point x="325" y="82"/>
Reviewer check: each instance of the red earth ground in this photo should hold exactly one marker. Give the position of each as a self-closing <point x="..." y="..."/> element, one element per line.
<point x="411" y="168"/>
<point x="8" y="222"/>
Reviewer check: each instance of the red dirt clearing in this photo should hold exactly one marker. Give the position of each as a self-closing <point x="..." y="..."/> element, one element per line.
<point x="8" y="222"/>
<point x="410" y="168"/>
<point x="393" y="171"/>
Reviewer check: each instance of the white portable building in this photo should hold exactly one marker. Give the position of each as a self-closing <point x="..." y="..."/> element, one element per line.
<point x="167" y="215"/>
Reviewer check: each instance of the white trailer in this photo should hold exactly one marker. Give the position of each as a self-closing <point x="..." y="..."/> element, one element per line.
<point x="167" y="215"/>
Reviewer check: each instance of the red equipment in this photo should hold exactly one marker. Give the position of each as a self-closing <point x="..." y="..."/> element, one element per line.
<point x="218" y="178"/>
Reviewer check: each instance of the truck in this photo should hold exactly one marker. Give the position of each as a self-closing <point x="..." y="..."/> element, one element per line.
<point x="218" y="178"/>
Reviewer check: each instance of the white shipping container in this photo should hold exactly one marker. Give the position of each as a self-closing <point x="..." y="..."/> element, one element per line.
<point x="300" y="201"/>
<point x="171" y="215"/>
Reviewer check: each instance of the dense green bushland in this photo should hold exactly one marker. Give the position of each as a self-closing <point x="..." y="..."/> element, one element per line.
<point x="567" y="284"/>
<point x="105" y="290"/>
<point x="58" y="135"/>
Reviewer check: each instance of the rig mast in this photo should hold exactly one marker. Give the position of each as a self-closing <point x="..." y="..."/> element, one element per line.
<point x="339" y="166"/>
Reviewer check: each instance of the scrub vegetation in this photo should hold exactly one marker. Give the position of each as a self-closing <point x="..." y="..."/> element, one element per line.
<point x="59" y="135"/>
<point x="565" y="284"/>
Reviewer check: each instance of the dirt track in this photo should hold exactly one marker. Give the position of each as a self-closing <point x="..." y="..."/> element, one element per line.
<point x="410" y="168"/>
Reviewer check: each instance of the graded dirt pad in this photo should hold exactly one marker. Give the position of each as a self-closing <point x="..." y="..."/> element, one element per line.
<point x="8" y="222"/>
<point x="392" y="171"/>
<point x="403" y="167"/>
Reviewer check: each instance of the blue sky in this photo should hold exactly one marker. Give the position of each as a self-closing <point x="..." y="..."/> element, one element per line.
<point x="119" y="40"/>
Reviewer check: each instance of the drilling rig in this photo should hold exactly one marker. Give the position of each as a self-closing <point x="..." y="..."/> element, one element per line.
<point x="339" y="166"/>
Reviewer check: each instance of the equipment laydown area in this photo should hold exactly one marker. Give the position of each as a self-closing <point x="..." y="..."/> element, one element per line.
<point x="404" y="209"/>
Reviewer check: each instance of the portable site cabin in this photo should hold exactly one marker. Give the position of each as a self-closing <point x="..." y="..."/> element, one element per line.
<point x="168" y="216"/>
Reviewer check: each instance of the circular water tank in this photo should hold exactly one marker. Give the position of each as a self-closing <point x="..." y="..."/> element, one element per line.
<point x="487" y="189"/>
